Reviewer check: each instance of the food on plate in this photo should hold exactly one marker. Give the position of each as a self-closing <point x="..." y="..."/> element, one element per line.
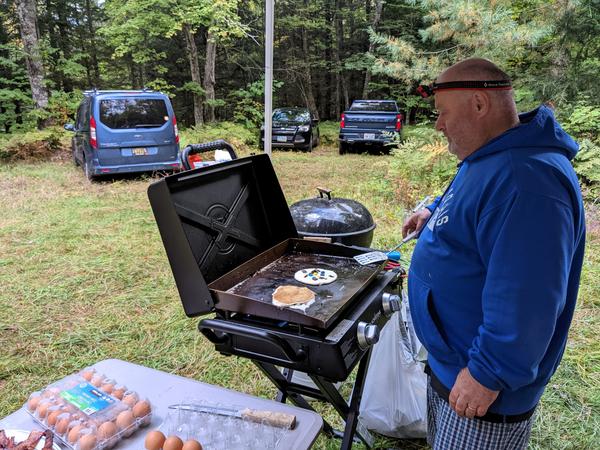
<point x="173" y="443"/>
<point x="315" y="276"/>
<point x="288" y="295"/>
<point x="192" y="444"/>
<point x="154" y="440"/>
<point x="30" y="443"/>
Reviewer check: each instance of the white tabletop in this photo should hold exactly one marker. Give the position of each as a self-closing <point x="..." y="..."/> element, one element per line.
<point x="163" y="389"/>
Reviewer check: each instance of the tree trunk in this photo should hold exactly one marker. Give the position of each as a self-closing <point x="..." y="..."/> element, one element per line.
<point x="310" y="98"/>
<point x="374" y="24"/>
<point x="209" y="76"/>
<point x="27" y="12"/>
<point x="192" y="50"/>
<point x="92" y="46"/>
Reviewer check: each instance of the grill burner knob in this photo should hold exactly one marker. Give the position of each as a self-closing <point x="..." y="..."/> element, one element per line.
<point x="367" y="334"/>
<point x="390" y="303"/>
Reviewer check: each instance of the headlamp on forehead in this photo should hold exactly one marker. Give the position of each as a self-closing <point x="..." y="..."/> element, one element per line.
<point x="430" y="90"/>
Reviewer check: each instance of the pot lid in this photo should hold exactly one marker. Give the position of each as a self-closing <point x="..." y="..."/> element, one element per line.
<point x="325" y="215"/>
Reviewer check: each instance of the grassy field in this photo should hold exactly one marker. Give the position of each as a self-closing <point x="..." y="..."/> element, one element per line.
<point x="84" y="277"/>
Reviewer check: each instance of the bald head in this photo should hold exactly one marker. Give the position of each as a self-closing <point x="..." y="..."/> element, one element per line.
<point x="473" y="69"/>
<point x="471" y="117"/>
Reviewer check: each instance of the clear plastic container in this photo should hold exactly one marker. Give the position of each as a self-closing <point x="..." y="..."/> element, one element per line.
<point x="216" y="431"/>
<point x="84" y="414"/>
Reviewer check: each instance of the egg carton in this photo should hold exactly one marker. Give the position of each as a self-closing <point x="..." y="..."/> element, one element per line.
<point x="89" y="411"/>
<point x="184" y="429"/>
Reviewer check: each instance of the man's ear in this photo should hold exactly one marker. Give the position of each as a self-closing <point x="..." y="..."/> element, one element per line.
<point x="481" y="103"/>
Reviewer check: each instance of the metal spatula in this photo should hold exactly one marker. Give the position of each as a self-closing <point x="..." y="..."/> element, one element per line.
<point x="375" y="257"/>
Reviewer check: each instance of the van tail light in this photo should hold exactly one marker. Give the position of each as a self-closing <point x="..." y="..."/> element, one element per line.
<point x="399" y="118"/>
<point x="176" y="130"/>
<point x="343" y="121"/>
<point x="93" y="138"/>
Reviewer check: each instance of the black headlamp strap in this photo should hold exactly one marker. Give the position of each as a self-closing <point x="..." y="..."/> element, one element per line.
<point x="428" y="91"/>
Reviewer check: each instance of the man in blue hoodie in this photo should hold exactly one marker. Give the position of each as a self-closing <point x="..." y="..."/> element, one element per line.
<point x="494" y="276"/>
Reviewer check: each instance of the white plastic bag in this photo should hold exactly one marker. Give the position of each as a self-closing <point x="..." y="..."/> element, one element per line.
<point x="394" y="401"/>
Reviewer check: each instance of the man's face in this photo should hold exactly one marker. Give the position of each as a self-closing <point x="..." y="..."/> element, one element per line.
<point x="457" y="121"/>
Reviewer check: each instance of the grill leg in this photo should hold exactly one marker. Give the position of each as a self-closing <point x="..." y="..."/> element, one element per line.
<point x="349" y="413"/>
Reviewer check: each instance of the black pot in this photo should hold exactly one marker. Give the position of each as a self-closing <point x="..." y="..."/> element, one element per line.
<point x="343" y="220"/>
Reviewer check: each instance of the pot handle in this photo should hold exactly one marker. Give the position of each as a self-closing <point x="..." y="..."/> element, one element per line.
<point x="324" y="191"/>
<point x="210" y="328"/>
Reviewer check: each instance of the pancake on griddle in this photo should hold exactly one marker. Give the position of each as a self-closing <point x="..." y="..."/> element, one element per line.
<point x="289" y="295"/>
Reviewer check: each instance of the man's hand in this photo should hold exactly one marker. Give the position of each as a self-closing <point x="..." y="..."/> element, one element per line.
<point x="468" y="397"/>
<point x="415" y="222"/>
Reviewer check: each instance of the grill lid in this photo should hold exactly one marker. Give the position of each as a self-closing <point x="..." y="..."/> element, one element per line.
<point x="213" y="219"/>
<point x="331" y="216"/>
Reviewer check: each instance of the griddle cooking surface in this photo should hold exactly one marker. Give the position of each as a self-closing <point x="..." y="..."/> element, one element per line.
<point x="329" y="298"/>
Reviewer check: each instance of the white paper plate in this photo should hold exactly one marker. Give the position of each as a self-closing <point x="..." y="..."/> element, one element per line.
<point x="21" y="435"/>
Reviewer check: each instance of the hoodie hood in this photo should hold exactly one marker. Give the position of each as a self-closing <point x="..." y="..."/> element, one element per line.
<point x="538" y="128"/>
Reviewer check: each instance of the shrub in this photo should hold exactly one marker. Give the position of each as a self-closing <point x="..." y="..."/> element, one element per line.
<point x="51" y="143"/>
<point x="422" y="165"/>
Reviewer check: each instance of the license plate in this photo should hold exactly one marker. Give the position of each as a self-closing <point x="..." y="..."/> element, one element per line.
<point x="369" y="136"/>
<point x="140" y="151"/>
<point x="281" y="139"/>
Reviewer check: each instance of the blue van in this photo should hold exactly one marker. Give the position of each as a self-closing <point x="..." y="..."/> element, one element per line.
<point x="124" y="132"/>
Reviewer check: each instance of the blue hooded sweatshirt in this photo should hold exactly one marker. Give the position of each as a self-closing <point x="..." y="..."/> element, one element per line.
<point x="494" y="276"/>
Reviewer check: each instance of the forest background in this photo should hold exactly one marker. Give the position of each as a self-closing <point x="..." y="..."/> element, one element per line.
<point x="208" y="56"/>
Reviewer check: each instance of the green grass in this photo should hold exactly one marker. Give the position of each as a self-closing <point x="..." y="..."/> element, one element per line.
<point x="84" y="277"/>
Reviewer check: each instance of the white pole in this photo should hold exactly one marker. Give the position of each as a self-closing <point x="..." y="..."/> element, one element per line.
<point x="269" y="14"/>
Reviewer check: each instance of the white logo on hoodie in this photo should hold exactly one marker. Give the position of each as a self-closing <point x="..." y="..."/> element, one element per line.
<point x="440" y="215"/>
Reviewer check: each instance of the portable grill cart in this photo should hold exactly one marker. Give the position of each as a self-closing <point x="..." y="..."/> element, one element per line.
<point x="230" y="240"/>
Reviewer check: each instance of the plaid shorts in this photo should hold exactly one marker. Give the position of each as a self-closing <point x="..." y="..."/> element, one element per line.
<point x="446" y="430"/>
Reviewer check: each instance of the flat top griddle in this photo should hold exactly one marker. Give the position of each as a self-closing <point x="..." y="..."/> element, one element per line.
<point x="250" y="287"/>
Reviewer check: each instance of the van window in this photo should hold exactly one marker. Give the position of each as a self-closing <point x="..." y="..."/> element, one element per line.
<point x="122" y="113"/>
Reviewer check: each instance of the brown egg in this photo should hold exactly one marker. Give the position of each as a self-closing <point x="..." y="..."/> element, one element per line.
<point x="108" y="387"/>
<point x="63" y="424"/>
<point x="118" y="393"/>
<point x="173" y="443"/>
<point x="192" y="445"/>
<point x="125" y="419"/>
<point x="51" y="392"/>
<point x="154" y="440"/>
<point x="42" y="409"/>
<point x="141" y="409"/>
<point x="107" y="430"/>
<point x="53" y="417"/>
<point x="130" y="399"/>
<point x="33" y="402"/>
<point x="97" y="380"/>
<point x="87" y="442"/>
<point x="87" y="375"/>
<point x="74" y="433"/>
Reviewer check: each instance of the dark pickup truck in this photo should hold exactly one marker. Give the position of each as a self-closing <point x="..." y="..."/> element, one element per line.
<point x="371" y="123"/>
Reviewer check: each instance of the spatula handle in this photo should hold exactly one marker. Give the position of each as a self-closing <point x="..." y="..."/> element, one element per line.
<point x="275" y="419"/>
